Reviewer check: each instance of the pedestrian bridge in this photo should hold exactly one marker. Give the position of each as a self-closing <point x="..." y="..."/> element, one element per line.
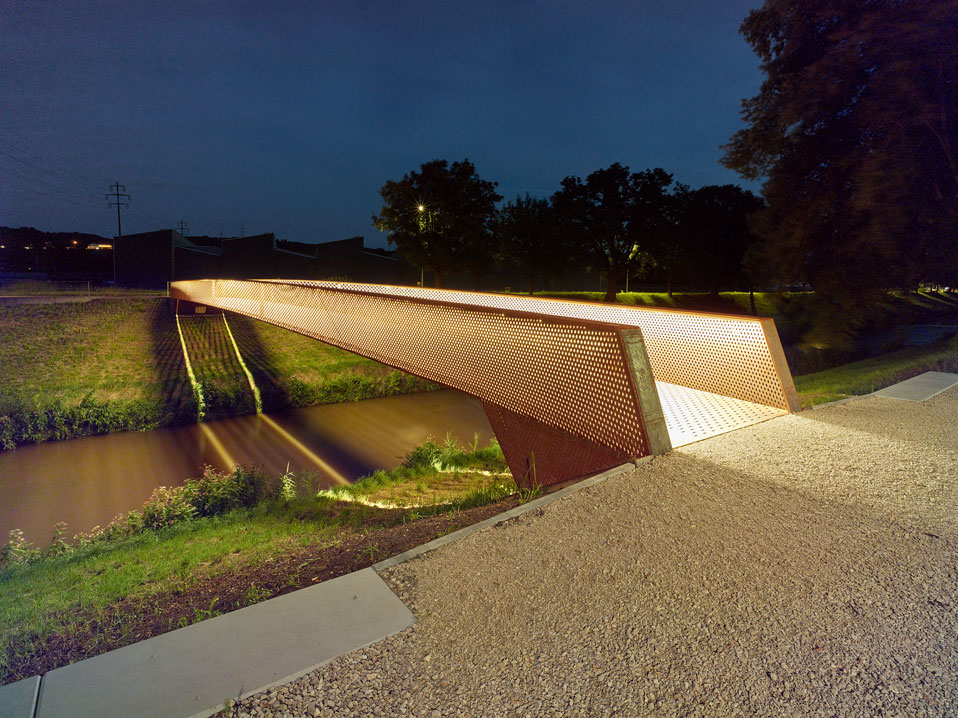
<point x="570" y="388"/>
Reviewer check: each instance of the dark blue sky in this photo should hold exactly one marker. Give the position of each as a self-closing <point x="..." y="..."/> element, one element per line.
<point x="287" y="117"/>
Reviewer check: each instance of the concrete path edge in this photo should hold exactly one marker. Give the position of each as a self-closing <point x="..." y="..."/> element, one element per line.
<point x="19" y="700"/>
<point x="193" y="671"/>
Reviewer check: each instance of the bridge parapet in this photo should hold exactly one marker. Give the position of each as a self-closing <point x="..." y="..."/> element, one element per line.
<point x="568" y="386"/>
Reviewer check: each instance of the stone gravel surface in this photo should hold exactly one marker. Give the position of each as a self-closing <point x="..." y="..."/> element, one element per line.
<point x="806" y="566"/>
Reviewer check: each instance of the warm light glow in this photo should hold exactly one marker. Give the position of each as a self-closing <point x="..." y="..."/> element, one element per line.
<point x="309" y="453"/>
<point x="421" y="208"/>
<point x="218" y="447"/>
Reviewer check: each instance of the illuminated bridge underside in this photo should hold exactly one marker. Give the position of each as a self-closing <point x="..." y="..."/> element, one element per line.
<point x="569" y="387"/>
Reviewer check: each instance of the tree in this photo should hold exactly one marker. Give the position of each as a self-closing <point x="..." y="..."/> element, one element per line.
<point x="616" y="217"/>
<point x="439" y="217"/>
<point x="855" y="130"/>
<point x="528" y="238"/>
<point x="714" y="226"/>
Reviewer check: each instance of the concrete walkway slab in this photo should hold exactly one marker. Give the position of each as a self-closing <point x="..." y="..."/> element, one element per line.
<point x="921" y="387"/>
<point x="18" y="700"/>
<point x="192" y="671"/>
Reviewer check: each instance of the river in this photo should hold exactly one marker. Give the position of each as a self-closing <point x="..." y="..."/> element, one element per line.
<point x="86" y="482"/>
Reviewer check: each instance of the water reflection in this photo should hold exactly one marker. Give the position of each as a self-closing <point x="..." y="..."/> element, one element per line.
<point x="87" y="482"/>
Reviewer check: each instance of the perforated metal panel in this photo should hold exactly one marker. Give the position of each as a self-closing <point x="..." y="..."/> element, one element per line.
<point x="693" y="415"/>
<point x="730" y="355"/>
<point x="552" y="374"/>
<point x="540" y="377"/>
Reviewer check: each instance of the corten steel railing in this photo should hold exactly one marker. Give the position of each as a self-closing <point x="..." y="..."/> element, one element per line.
<point x="726" y="354"/>
<point x="567" y="386"/>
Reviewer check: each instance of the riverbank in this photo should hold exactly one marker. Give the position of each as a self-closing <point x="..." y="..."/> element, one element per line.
<point x="118" y="364"/>
<point x="227" y="541"/>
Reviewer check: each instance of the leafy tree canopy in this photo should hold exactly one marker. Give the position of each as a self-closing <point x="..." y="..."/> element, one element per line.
<point x="615" y="216"/>
<point x="439" y="217"/>
<point x="855" y="130"/>
<point x="714" y="225"/>
<point x="528" y="239"/>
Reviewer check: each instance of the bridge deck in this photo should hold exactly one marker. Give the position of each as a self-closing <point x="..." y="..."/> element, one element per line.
<point x="692" y="415"/>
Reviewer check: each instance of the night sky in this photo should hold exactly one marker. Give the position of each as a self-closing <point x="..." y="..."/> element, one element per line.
<point x="288" y="117"/>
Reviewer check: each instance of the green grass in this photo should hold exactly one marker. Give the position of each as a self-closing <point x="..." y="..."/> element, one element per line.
<point x="56" y="593"/>
<point x="124" y="357"/>
<point x="868" y="375"/>
<point x="32" y="288"/>
<point x="36" y="596"/>
<point x="435" y="475"/>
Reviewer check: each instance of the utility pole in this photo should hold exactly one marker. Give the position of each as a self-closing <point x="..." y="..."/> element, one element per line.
<point x="242" y="231"/>
<point x="184" y="230"/>
<point x="120" y="197"/>
<point x="118" y="191"/>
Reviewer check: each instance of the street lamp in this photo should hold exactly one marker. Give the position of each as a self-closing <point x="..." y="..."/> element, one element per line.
<point x="421" y="208"/>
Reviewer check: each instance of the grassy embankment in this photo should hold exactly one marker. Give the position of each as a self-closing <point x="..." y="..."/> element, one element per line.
<point x="868" y="375"/>
<point x="117" y="364"/>
<point x="224" y="542"/>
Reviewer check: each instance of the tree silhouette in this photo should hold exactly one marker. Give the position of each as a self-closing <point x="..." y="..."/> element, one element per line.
<point x="615" y="216"/>
<point x="855" y="129"/>
<point x="714" y="225"/>
<point x="528" y="238"/>
<point x="439" y="217"/>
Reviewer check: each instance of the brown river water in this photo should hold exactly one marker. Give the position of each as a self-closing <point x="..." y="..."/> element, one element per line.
<point x="88" y="481"/>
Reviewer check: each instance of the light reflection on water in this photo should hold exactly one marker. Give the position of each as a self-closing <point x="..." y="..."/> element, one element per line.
<point x="86" y="482"/>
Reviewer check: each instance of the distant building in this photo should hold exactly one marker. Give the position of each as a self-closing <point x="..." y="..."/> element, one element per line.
<point x="151" y="259"/>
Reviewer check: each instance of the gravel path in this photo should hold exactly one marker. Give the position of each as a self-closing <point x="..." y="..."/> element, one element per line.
<point x="801" y="567"/>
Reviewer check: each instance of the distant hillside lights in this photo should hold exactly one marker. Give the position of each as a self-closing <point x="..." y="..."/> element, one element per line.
<point x="99" y="246"/>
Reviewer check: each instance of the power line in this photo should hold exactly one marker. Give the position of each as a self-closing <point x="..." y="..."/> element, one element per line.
<point x="71" y="163"/>
<point x="153" y="212"/>
<point x="50" y="196"/>
<point x="152" y="223"/>
<point x="71" y="193"/>
<point x="58" y="175"/>
<point x="163" y="224"/>
<point x="117" y="193"/>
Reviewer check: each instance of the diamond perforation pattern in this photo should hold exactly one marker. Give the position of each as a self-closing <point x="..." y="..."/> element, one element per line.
<point x="720" y="354"/>
<point x="551" y="373"/>
<point x="568" y="375"/>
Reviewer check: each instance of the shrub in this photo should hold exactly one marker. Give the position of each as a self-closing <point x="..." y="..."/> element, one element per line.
<point x="216" y="493"/>
<point x="427" y="455"/>
<point x="17" y="550"/>
<point x="286" y="488"/>
<point x="211" y="494"/>
<point x="250" y="485"/>
<point x="166" y="507"/>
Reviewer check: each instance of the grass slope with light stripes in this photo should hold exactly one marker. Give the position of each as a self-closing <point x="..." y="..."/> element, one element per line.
<point x="117" y="364"/>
